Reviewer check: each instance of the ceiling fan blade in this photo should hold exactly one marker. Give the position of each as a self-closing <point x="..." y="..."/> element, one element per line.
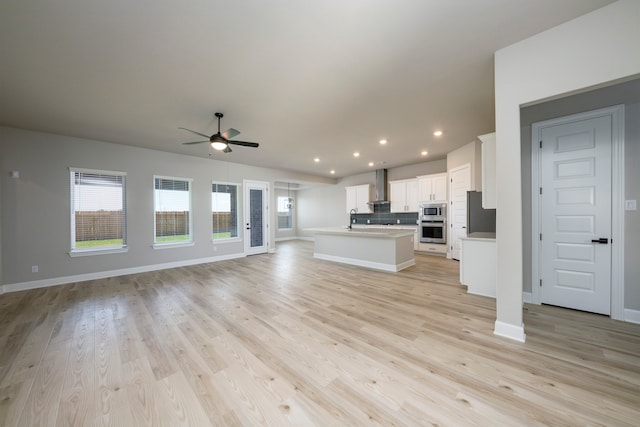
<point x="244" y="143"/>
<point x="230" y="133"/>
<point x="197" y="133"/>
<point x="194" y="142"/>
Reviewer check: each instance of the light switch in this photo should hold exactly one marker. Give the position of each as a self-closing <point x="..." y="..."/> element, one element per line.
<point x="630" y="205"/>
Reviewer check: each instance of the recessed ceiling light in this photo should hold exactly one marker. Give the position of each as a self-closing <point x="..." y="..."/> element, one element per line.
<point x="424" y="152"/>
<point x="317" y="159"/>
<point x="332" y="172"/>
<point x="370" y="163"/>
<point x="356" y="154"/>
<point x="437" y="133"/>
<point x="383" y="141"/>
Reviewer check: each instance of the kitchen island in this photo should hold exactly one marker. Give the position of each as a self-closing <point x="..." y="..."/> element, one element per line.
<point x="377" y="248"/>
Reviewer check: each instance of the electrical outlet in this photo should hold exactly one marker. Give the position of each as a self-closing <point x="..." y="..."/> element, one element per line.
<point x="34" y="268"/>
<point x="630" y="205"/>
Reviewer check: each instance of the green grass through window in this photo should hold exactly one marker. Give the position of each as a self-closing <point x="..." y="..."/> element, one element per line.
<point x="172" y="239"/>
<point x="90" y="244"/>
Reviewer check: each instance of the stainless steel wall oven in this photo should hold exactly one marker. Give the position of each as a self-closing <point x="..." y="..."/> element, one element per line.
<point x="433" y="223"/>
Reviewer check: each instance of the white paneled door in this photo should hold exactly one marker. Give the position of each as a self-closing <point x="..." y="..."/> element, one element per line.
<point x="575" y="213"/>
<point x="256" y="219"/>
<point x="460" y="184"/>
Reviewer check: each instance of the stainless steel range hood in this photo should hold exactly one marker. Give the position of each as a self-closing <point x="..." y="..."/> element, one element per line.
<point x="381" y="188"/>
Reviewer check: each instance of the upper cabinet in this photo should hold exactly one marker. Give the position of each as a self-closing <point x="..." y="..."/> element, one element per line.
<point x="488" y="170"/>
<point x="432" y="188"/>
<point x="357" y="198"/>
<point x="404" y="195"/>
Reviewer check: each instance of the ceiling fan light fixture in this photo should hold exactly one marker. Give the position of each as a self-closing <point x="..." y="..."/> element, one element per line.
<point x="218" y="145"/>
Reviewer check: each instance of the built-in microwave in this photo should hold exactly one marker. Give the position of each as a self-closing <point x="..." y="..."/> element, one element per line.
<point x="433" y="211"/>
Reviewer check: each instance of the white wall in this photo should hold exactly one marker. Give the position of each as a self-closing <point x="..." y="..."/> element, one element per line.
<point x="595" y="49"/>
<point x="36" y="212"/>
<point x="471" y="154"/>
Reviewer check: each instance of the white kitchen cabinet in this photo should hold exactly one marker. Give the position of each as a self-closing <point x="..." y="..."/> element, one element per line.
<point x="358" y="197"/>
<point x="432" y="248"/>
<point x="432" y="188"/>
<point x="404" y="195"/>
<point x="488" y="170"/>
<point x="478" y="264"/>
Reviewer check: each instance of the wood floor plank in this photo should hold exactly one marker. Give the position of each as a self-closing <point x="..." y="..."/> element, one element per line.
<point x="286" y="339"/>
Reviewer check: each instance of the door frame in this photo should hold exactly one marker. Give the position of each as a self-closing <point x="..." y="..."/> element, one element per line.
<point x="450" y="202"/>
<point x="246" y="183"/>
<point x="617" y="203"/>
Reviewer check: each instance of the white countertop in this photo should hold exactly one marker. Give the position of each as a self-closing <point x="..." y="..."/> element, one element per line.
<point x="363" y="232"/>
<point x="481" y="236"/>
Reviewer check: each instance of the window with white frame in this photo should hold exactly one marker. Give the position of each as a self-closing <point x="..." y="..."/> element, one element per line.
<point x="98" y="210"/>
<point x="285" y="220"/>
<point x="224" y="211"/>
<point x="172" y="206"/>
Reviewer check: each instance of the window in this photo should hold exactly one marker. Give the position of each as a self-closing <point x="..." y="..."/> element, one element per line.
<point x="224" y="211"/>
<point x="284" y="213"/>
<point x="98" y="211"/>
<point x="172" y="203"/>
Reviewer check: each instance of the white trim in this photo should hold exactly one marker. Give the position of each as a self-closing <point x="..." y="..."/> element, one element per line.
<point x="91" y="252"/>
<point x="369" y="264"/>
<point x="267" y="217"/>
<point x="632" y="316"/>
<point x="306" y="238"/>
<point x="617" y="203"/>
<point x="23" y="286"/>
<point x="617" y="213"/>
<point x="225" y="241"/>
<point x="507" y="330"/>
<point x="450" y="201"/>
<point x="106" y="172"/>
<point x="172" y="245"/>
<point x="282" y="239"/>
<point x="526" y="298"/>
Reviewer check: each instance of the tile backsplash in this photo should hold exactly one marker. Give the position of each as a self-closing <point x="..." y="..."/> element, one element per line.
<point x="385" y="218"/>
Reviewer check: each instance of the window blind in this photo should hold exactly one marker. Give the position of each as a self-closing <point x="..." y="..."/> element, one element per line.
<point x="98" y="210"/>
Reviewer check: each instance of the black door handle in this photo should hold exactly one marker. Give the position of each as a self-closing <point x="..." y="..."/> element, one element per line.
<point x="602" y="240"/>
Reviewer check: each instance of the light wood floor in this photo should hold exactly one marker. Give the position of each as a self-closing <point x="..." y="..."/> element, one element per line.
<point x="285" y="339"/>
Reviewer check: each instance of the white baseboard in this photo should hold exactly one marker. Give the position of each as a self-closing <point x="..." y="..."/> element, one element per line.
<point x="527" y="297"/>
<point x="507" y="330"/>
<point x="308" y="239"/>
<point x="23" y="286"/>
<point x="632" y="316"/>
<point x="363" y="263"/>
<point x="283" y="239"/>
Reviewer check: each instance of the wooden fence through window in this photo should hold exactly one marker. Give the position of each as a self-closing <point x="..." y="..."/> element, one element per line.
<point x="106" y="225"/>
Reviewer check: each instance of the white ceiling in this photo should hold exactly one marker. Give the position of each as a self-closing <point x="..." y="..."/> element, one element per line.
<point x="303" y="78"/>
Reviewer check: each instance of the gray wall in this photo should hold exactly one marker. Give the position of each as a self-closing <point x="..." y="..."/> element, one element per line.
<point x="627" y="93"/>
<point x="35" y="208"/>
